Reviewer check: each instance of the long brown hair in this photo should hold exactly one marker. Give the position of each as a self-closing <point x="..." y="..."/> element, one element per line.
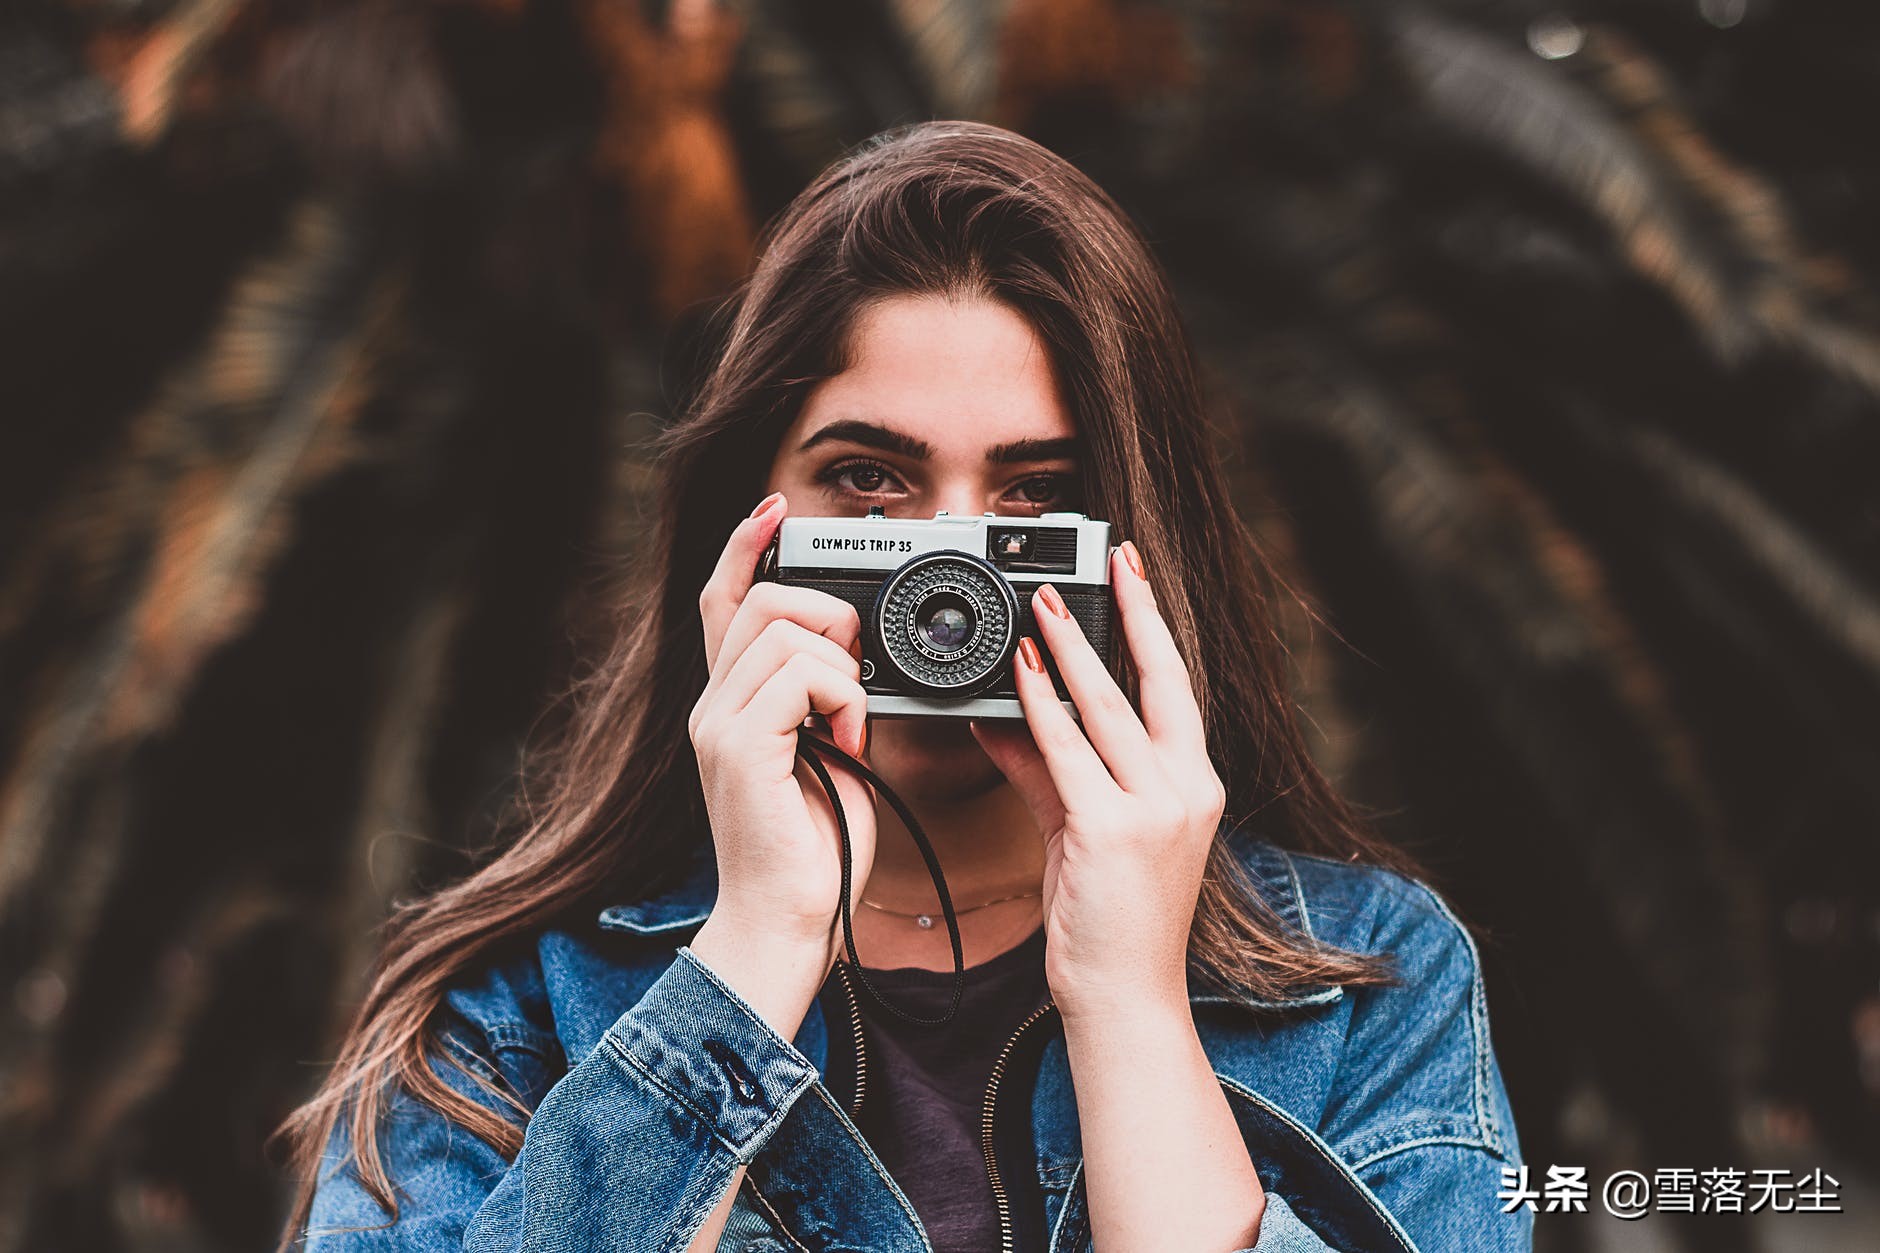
<point x="955" y="208"/>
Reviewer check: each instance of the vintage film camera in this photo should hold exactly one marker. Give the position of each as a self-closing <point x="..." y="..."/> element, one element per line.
<point x="944" y="601"/>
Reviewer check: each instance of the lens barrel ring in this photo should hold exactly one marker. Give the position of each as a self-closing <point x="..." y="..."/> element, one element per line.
<point x="925" y="602"/>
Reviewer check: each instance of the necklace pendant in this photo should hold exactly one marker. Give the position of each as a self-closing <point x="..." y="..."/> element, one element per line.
<point x="924" y="922"/>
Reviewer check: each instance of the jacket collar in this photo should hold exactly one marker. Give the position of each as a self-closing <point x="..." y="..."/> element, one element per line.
<point x="686" y="904"/>
<point x="683" y="905"/>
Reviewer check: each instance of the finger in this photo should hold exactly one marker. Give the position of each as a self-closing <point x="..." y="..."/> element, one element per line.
<point x="780" y="640"/>
<point x="1015" y="753"/>
<point x="804" y="685"/>
<point x="731" y="578"/>
<point x="818" y="612"/>
<point x="1169" y="710"/>
<point x="1076" y="770"/>
<point x="1110" y="722"/>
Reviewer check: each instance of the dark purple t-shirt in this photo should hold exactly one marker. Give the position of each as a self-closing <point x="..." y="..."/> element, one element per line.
<point x="926" y="1085"/>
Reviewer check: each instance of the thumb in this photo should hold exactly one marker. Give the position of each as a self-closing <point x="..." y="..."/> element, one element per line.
<point x="1015" y="753"/>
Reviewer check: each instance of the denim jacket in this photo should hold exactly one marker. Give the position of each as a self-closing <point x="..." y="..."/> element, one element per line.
<point x="1375" y="1117"/>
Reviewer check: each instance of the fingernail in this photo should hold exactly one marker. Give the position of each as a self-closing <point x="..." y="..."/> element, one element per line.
<point x="1053" y="601"/>
<point x="763" y="506"/>
<point x="1028" y="653"/>
<point x="855" y="648"/>
<point x="863" y="750"/>
<point x="1134" y="558"/>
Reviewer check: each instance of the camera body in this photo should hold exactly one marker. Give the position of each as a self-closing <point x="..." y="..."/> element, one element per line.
<point x="944" y="601"/>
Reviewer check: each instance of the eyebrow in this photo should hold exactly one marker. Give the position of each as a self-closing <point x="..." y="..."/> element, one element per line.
<point x="1064" y="448"/>
<point x="869" y="435"/>
<point x="872" y="435"/>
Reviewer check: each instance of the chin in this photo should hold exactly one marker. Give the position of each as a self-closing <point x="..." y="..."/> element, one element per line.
<point x="935" y="760"/>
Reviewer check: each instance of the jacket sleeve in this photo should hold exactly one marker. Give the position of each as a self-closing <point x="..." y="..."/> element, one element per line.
<point x="629" y="1150"/>
<point x="1418" y="1109"/>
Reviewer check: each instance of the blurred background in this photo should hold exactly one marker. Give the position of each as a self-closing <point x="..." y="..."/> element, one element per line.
<point x="1547" y="359"/>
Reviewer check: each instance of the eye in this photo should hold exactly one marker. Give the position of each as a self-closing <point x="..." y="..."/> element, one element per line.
<point x="1045" y="492"/>
<point x="859" y="478"/>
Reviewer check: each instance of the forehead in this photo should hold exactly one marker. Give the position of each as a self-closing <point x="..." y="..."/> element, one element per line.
<point x="959" y="372"/>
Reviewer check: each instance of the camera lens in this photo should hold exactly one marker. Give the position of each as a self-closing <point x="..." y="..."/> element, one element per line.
<point x="947" y="622"/>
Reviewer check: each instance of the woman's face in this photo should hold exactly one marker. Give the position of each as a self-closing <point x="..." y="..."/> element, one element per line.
<point x="948" y="405"/>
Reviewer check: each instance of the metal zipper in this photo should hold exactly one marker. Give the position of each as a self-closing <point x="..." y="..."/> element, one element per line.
<point x="1008" y="1235"/>
<point x="861" y="1058"/>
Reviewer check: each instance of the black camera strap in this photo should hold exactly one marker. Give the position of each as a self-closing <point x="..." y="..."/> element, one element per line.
<point x="812" y="749"/>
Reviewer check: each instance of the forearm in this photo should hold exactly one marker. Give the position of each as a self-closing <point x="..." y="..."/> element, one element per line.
<point x="779" y="984"/>
<point x="683" y="1090"/>
<point x="1165" y="1165"/>
<point x="714" y="1229"/>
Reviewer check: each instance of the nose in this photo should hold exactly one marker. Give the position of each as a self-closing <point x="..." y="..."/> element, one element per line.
<point x="960" y="496"/>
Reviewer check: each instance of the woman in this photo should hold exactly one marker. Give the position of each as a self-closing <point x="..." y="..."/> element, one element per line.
<point x="631" y="1030"/>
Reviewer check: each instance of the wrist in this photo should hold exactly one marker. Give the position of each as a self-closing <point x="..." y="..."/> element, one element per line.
<point x="772" y="916"/>
<point x="1149" y="1010"/>
<point x="778" y="976"/>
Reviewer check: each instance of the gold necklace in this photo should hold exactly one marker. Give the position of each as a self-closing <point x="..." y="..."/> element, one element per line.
<point x="925" y="921"/>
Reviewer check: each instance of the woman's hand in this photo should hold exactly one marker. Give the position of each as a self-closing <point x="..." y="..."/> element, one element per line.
<point x="1128" y="805"/>
<point x="777" y="655"/>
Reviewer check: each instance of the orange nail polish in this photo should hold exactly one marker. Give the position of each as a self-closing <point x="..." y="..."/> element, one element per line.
<point x="763" y="506"/>
<point x="1028" y="653"/>
<point x="1134" y="558"/>
<point x="1053" y="601"/>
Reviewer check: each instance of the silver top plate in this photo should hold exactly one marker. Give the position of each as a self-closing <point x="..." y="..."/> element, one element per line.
<point x="883" y="544"/>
